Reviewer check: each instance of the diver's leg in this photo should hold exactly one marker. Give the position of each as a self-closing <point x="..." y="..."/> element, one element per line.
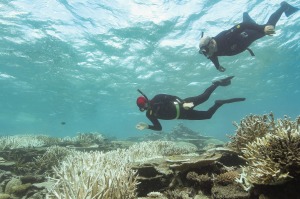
<point x="276" y="16"/>
<point x="284" y="8"/>
<point x="204" y="96"/>
<point x="204" y="115"/>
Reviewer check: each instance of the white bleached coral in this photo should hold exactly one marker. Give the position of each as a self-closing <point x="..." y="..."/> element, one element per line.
<point x="20" y="141"/>
<point x="106" y="175"/>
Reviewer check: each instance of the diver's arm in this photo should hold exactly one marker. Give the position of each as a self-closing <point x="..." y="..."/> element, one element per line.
<point x="156" y="124"/>
<point x="215" y="61"/>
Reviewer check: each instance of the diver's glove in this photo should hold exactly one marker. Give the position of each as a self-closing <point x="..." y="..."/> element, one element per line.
<point x="221" y="69"/>
<point x="142" y="126"/>
<point x="269" y="30"/>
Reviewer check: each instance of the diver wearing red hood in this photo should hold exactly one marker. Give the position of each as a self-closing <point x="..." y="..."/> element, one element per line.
<point x="168" y="107"/>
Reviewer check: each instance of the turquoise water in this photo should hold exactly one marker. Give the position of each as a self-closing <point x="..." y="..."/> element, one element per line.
<point x="74" y="66"/>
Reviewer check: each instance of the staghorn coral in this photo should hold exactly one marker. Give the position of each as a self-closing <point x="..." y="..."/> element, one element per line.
<point x="274" y="158"/>
<point x="249" y="129"/>
<point x="20" y="141"/>
<point x="104" y="175"/>
<point x="86" y="139"/>
<point x="94" y="175"/>
<point x="52" y="157"/>
<point x="226" y="178"/>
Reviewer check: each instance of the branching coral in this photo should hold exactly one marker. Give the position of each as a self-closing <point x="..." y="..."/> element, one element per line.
<point x="20" y="141"/>
<point x="249" y="129"/>
<point x="226" y="178"/>
<point x="88" y="138"/>
<point x="104" y="175"/>
<point x="94" y="175"/>
<point x="275" y="157"/>
<point x="52" y="157"/>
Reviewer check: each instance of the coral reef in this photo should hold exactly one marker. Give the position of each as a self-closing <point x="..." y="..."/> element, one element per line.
<point x="274" y="158"/>
<point x="226" y="178"/>
<point x="273" y="154"/>
<point x="52" y="157"/>
<point x="250" y="128"/>
<point x="94" y="174"/>
<point x="180" y="133"/>
<point x="261" y="161"/>
<point x="204" y="181"/>
<point x="231" y="191"/>
<point x="79" y="175"/>
<point x="20" y="141"/>
<point x="182" y="193"/>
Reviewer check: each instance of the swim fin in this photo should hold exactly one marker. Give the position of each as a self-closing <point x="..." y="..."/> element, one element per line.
<point x="232" y="100"/>
<point x="224" y="82"/>
<point x="247" y="18"/>
<point x="289" y="10"/>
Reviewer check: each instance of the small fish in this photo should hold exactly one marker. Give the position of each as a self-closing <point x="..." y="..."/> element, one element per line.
<point x="63" y="123"/>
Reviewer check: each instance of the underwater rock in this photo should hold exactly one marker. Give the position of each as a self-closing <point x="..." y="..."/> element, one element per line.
<point x="12" y="183"/>
<point x="7" y="166"/>
<point x="151" y="179"/>
<point x="231" y="191"/>
<point x="32" y="179"/>
<point x="195" y="162"/>
<point x="20" y="190"/>
<point x="5" y="196"/>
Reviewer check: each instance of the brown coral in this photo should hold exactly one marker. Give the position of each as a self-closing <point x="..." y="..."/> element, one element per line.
<point x="274" y="158"/>
<point x="226" y="178"/>
<point x="201" y="179"/>
<point x="203" y="182"/>
<point x="249" y="129"/>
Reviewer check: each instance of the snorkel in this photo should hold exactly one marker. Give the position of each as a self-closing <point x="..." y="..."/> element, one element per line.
<point x="143" y="94"/>
<point x="147" y="101"/>
<point x="201" y="48"/>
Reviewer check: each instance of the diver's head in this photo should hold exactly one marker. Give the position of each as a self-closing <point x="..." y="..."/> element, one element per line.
<point x="142" y="103"/>
<point x="207" y="46"/>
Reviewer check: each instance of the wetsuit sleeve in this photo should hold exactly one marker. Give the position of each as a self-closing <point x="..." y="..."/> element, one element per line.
<point x="215" y="61"/>
<point x="156" y="124"/>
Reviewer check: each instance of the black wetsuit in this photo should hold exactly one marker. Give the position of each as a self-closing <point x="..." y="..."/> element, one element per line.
<point x="162" y="106"/>
<point x="240" y="37"/>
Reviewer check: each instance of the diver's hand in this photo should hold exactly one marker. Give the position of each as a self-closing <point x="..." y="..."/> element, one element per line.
<point x="269" y="30"/>
<point x="221" y="69"/>
<point x="142" y="126"/>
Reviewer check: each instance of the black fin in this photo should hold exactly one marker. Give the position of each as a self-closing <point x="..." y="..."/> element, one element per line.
<point x="247" y="18"/>
<point x="232" y="100"/>
<point x="289" y="9"/>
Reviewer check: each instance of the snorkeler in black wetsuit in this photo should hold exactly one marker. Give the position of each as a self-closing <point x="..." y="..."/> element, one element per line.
<point x="238" y="38"/>
<point x="168" y="107"/>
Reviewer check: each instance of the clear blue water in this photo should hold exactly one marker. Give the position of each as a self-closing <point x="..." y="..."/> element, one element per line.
<point x="81" y="62"/>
